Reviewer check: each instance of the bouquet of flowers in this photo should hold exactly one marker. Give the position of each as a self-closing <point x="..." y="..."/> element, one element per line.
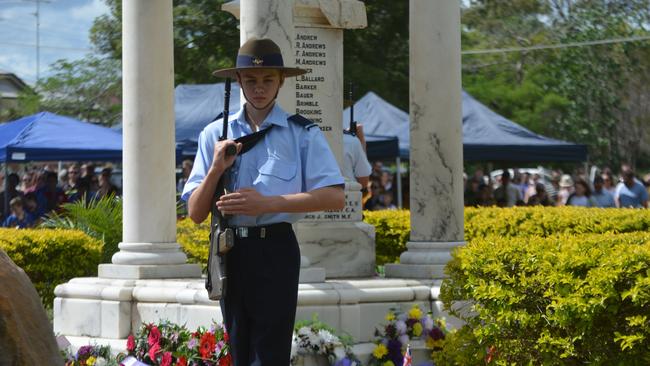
<point x="94" y="355"/>
<point x="317" y="338"/>
<point x="168" y="344"/>
<point x="402" y="328"/>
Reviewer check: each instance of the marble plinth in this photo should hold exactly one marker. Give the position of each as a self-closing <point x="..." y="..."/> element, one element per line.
<point x="343" y="249"/>
<point x="187" y="270"/>
<point x="106" y="311"/>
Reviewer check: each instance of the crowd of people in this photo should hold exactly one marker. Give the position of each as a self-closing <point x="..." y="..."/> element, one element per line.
<point x="382" y="190"/>
<point x="35" y="192"/>
<point x="525" y="189"/>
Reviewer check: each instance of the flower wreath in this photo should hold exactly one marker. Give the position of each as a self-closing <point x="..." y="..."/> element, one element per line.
<point x="402" y="328"/>
<point x="168" y="344"/>
<point x="317" y="338"/>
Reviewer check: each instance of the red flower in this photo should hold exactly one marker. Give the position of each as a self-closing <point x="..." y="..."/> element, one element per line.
<point x="153" y="350"/>
<point x="166" y="359"/>
<point x="130" y="343"/>
<point x="226" y="337"/>
<point x="182" y="361"/>
<point x="491" y="354"/>
<point x="206" y="348"/>
<point x="226" y="360"/>
<point x="154" y="336"/>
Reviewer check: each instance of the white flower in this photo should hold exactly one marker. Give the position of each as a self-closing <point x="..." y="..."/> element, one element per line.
<point x="304" y="331"/>
<point x="401" y="327"/>
<point x="327" y="337"/>
<point x="404" y="339"/>
<point x="100" y="361"/>
<point x="294" y="346"/>
<point x="428" y="323"/>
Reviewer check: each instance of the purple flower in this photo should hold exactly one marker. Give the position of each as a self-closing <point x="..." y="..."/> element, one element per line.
<point x="344" y="362"/>
<point x="436" y="334"/>
<point x="191" y="344"/>
<point x="395" y="351"/>
<point x="84" y="351"/>
<point x="219" y="347"/>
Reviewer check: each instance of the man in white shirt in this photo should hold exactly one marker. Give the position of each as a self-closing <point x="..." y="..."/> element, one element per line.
<point x="355" y="163"/>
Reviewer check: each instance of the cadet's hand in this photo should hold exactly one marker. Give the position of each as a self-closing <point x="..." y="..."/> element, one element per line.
<point x="361" y="136"/>
<point x="220" y="161"/>
<point x="246" y="201"/>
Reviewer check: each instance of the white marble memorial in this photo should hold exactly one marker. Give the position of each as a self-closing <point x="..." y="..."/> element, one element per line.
<point x="143" y="283"/>
<point x="436" y="160"/>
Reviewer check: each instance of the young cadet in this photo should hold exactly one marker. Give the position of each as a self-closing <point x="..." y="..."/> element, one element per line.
<point x="290" y="171"/>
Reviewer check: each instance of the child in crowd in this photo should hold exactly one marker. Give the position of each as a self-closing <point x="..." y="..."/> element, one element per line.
<point x="19" y="218"/>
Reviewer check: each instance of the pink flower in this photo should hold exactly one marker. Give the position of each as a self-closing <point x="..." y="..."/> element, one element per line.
<point x="154" y="336"/>
<point x="153" y="350"/>
<point x="166" y="359"/>
<point x="130" y="343"/>
<point x="219" y="347"/>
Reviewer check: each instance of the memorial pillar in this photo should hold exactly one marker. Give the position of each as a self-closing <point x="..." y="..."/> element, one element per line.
<point x="436" y="157"/>
<point x="148" y="248"/>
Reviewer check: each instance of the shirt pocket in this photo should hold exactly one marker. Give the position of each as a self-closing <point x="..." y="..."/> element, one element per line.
<point x="277" y="177"/>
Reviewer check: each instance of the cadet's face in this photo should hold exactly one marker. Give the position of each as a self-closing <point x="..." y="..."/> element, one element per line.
<point x="260" y="85"/>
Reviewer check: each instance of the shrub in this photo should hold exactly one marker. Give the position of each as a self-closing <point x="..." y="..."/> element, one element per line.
<point x="547" y="221"/>
<point x="557" y="300"/>
<point x="195" y="239"/>
<point x="392" y="230"/>
<point x="100" y="219"/>
<point x="51" y="257"/>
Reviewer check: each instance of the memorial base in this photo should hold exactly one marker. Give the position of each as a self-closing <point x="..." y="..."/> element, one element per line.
<point x="106" y="311"/>
<point x="343" y="249"/>
<point x="424" y="260"/>
<point x="141" y="271"/>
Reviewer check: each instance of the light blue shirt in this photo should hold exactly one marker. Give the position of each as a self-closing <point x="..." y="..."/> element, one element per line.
<point x="604" y="198"/>
<point x="289" y="159"/>
<point x="631" y="197"/>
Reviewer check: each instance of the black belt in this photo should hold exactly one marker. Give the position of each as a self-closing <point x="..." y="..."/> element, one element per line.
<point x="262" y="232"/>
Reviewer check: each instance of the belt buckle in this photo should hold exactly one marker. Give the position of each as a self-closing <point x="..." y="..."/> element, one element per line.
<point x="242" y="232"/>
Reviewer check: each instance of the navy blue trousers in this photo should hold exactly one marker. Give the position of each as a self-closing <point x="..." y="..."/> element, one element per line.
<point x="259" y="308"/>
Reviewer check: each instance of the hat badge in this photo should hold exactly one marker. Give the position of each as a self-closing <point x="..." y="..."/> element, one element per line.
<point x="257" y="61"/>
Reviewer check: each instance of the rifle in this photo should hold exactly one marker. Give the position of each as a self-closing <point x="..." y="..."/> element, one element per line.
<point x="353" y="123"/>
<point x="222" y="238"/>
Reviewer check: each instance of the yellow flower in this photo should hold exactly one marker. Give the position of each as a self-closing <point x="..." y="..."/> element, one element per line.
<point x="417" y="329"/>
<point x="389" y="363"/>
<point x="431" y="344"/>
<point x="390" y="317"/>
<point x="415" y="312"/>
<point x="91" y="361"/>
<point x="380" y="351"/>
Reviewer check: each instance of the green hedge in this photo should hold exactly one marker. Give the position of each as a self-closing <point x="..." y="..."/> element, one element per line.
<point x="564" y="299"/>
<point x="547" y="221"/>
<point x="51" y="256"/>
<point x="393" y="226"/>
<point x="392" y="230"/>
<point x="195" y="240"/>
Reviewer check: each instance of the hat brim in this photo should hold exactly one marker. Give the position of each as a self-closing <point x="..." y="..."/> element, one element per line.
<point x="232" y="72"/>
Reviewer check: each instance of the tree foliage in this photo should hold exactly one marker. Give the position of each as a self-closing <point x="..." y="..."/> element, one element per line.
<point x="597" y="95"/>
<point x="89" y="89"/>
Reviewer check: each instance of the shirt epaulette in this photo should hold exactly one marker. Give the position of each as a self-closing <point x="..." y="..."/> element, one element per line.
<point x="304" y="122"/>
<point x="218" y="117"/>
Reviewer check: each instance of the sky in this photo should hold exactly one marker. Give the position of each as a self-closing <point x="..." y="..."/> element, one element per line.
<point x="64" y="30"/>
